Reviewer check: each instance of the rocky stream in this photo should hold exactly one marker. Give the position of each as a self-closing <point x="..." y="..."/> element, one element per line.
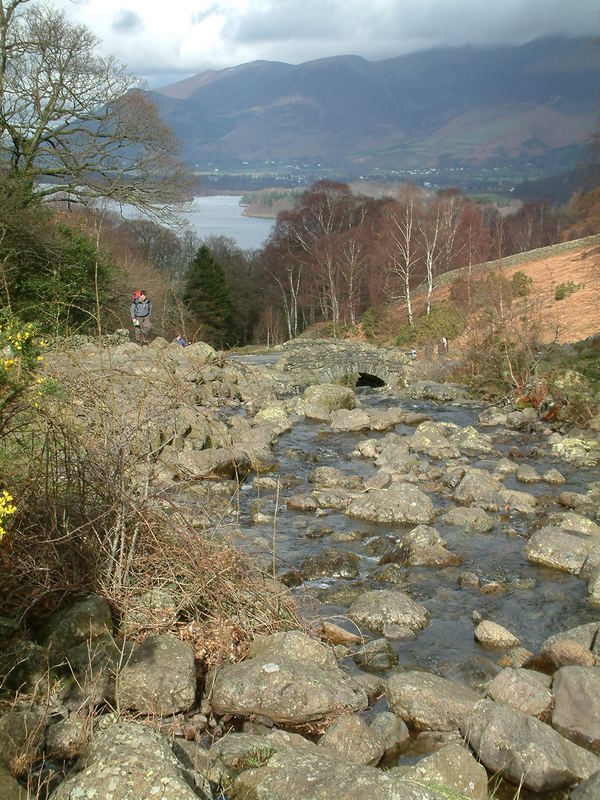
<point x="446" y="553"/>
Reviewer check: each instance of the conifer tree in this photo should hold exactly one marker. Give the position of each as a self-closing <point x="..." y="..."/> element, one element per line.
<point x="208" y="298"/>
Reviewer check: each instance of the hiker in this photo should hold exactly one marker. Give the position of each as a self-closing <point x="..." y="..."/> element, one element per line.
<point x="141" y="309"/>
<point x="180" y="340"/>
<point x="444" y="344"/>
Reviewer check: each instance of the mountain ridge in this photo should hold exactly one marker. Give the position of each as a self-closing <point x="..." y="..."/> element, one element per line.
<point x="463" y="105"/>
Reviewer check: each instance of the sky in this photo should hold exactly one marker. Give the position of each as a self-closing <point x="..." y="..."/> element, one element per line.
<point x="168" y="40"/>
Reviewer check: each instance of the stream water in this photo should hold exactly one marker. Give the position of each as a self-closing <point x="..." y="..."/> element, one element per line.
<point x="532" y="602"/>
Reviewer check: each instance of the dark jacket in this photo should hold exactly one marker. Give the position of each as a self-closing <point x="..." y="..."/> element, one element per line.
<point x="141" y="308"/>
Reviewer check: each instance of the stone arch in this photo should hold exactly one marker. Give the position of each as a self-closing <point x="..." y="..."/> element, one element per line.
<point x="350" y="372"/>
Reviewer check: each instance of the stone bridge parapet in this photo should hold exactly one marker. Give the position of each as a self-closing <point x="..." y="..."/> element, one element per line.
<point x="309" y="361"/>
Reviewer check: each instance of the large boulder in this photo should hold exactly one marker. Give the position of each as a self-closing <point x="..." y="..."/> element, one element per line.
<point x="401" y="504"/>
<point x="80" y="622"/>
<point x="129" y="762"/>
<point x="430" y="438"/>
<point x="277" y="682"/>
<point x="578" y="646"/>
<point x="355" y="420"/>
<point x="330" y="564"/>
<point x="319" y="776"/>
<point x="576" y="712"/>
<point x="428" y="702"/>
<point x="159" y="677"/>
<point x="384" y="609"/>
<point x="479" y="487"/>
<point x="471" y="520"/>
<point x="21" y="737"/>
<point x="524" y="750"/>
<point x="330" y="396"/>
<point x="422" y="547"/>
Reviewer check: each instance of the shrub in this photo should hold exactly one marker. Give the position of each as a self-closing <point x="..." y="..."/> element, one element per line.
<point x="520" y="284"/>
<point x="443" y="320"/>
<point x="563" y="289"/>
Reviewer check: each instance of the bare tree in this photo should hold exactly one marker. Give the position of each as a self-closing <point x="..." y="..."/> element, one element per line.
<point x="73" y="123"/>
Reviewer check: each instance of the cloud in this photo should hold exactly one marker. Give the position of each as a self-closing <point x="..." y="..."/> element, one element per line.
<point x="188" y="36"/>
<point x="127" y="21"/>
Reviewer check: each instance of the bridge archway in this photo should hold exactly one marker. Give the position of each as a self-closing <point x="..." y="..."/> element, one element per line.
<point x="359" y="374"/>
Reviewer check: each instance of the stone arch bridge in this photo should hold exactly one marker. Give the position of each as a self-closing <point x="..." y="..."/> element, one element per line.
<point x="308" y="361"/>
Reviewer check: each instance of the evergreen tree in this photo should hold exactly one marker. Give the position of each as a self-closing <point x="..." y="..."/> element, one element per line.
<point x="208" y="298"/>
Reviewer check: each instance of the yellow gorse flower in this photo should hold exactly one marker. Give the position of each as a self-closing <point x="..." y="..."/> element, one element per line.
<point x="6" y="510"/>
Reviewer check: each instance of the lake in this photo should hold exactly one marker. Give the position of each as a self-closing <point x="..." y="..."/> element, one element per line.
<point x="221" y="215"/>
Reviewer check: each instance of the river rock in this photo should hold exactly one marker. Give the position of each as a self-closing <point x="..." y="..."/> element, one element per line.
<point x="401" y="504"/>
<point x="490" y="634"/>
<point x="394" y="455"/>
<point x="428" y="702"/>
<point x="159" y="678"/>
<point x="483" y="489"/>
<point x="226" y="462"/>
<point x="276" y="684"/>
<point x="21" y="738"/>
<point x="472" y="520"/>
<point x="306" y="776"/>
<point x="316" y="412"/>
<point x="594" y="587"/>
<point x="128" y="761"/>
<point x="570" y="521"/>
<point x="430" y="438"/>
<point x="421" y="547"/>
<point x="299" y="502"/>
<point x="66" y="739"/>
<point x="330" y="396"/>
<point x="554" y="477"/>
<point x="576" y="712"/>
<point x="377" y="655"/>
<point x="528" y="474"/>
<point x="389" y="573"/>
<point x="587" y="790"/>
<point x="330" y="477"/>
<point x="294" y="645"/>
<point x="383" y="608"/>
<point x="335" y="634"/>
<point x="524" y="419"/>
<point x="330" y="564"/>
<point x="391" y="730"/>
<point x="524" y="750"/>
<point x="524" y="689"/>
<point x="492" y="417"/>
<point x="351" y="739"/>
<point x="92" y="669"/>
<point x="382" y="419"/>
<point x="431" y="390"/>
<point x="80" y="622"/>
<point x="581" y="451"/>
<point x="560" y="549"/>
<point x="576" y="647"/>
<point x="454" y="768"/>
<point x="355" y="420"/>
<point x="470" y="442"/>
<point x="23" y="664"/>
<point x="505" y="467"/>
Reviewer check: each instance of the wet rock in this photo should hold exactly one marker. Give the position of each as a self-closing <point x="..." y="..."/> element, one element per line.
<point x="159" y="678"/>
<point x="560" y="549"/>
<point x="524" y="750"/>
<point x="583" y="452"/>
<point x="576" y="712"/>
<point x="229" y="462"/>
<point x="283" y="688"/>
<point x="516" y="657"/>
<point x="554" y="477"/>
<point x="506" y="467"/>
<point x="368" y="448"/>
<point x="575" y="647"/>
<point x="294" y="776"/>
<point x="472" y="520"/>
<point x="376" y="655"/>
<point x="330" y="477"/>
<point x="351" y="739"/>
<point x="381" y="480"/>
<point x="341" y="595"/>
<point x="569" y="521"/>
<point x="522" y="420"/>
<point x="302" y="503"/>
<point x="337" y="499"/>
<point x="428" y="702"/>
<point x="395" y="457"/>
<point x="21" y="738"/>
<point x="430" y="438"/>
<point x="470" y="442"/>
<point x="490" y="634"/>
<point x="384" y="419"/>
<point x="392" y="731"/>
<point x="468" y="580"/>
<point x="79" y="622"/>
<point x="481" y="488"/>
<point x="355" y="420"/>
<point x="594" y="587"/>
<point x="330" y="564"/>
<point x="373" y="685"/>
<point x="330" y="396"/>
<point x="128" y="761"/>
<point x="401" y="504"/>
<point x="454" y="768"/>
<point x="528" y="474"/>
<point x="492" y="417"/>
<point x="524" y="689"/>
<point x="421" y="547"/>
<point x="383" y="607"/>
<point x="389" y="573"/>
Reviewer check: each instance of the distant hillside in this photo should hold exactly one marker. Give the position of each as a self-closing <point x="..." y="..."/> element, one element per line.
<point x="464" y="106"/>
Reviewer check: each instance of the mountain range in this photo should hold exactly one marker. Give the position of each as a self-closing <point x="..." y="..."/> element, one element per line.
<point x="443" y="107"/>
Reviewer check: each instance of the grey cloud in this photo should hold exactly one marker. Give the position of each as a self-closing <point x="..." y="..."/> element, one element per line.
<point x="199" y="17"/>
<point x="127" y="21"/>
